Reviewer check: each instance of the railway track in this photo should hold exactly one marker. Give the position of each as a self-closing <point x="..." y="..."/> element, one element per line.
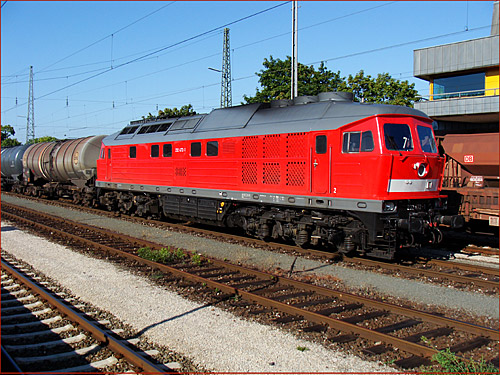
<point x="431" y="270"/>
<point x="343" y="318"/>
<point x="44" y="331"/>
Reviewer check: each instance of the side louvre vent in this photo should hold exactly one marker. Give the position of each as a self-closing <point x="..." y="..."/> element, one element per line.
<point x="181" y="171"/>
<point x="296" y="145"/>
<point x="249" y="147"/>
<point x="228" y="148"/>
<point x="249" y="172"/>
<point x="271" y="174"/>
<point x="295" y="173"/>
<point x="271" y="146"/>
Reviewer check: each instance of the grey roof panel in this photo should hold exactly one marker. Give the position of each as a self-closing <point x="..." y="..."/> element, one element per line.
<point x="228" y="118"/>
<point x="258" y="119"/>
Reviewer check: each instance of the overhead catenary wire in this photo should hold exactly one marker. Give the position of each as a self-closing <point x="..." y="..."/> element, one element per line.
<point x="140" y="101"/>
<point x="156" y="52"/>
<point x="236" y="48"/>
<point x="162" y="95"/>
<point x="106" y="37"/>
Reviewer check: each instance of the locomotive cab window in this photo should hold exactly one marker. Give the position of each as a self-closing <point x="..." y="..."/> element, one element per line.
<point x="427" y="143"/>
<point x="321" y="144"/>
<point x="167" y="151"/>
<point x="355" y="142"/>
<point x="367" y="141"/>
<point x="212" y="148"/>
<point x="132" y="152"/>
<point x="398" y="137"/>
<point x="102" y="153"/>
<point x="155" y="151"/>
<point x="196" y="149"/>
<point x="109" y="153"/>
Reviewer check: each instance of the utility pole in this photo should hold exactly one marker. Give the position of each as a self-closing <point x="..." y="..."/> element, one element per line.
<point x="30" y="124"/>
<point x="294" y="75"/>
<point x="226" y="97"/>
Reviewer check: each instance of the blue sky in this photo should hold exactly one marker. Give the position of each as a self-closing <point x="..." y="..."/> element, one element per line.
<point x="99" y="65"/>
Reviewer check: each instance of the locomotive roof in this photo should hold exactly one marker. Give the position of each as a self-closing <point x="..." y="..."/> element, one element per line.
<point x="255" y="119"/>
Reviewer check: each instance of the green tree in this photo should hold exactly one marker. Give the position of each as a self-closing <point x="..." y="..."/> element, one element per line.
<point x="42" y="139"/>
<point x="384" y="89"/>
<point x="275" y="80"/>
<point x="275" y="84"/>
<point x="185" y="110"/>
<point x="7" y="132"/>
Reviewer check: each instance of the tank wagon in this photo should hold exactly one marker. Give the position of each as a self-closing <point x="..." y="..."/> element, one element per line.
<point x="12" y="165"/>
<point x="471" y="177"/>
<point x="61" y="169"/>
<point x="318" y="170"/>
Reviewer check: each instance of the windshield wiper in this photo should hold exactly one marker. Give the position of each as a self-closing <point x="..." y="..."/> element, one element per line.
<point x="393" y="144"/>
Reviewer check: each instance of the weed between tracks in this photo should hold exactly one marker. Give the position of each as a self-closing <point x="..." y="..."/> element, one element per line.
<point x="453" y="364"/>
<point x="164" y="255"/>
<point x="167" y="255"/>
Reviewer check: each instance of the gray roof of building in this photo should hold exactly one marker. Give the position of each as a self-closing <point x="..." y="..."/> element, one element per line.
<point x="468" y="55"/>
<point x="262" y="119"/>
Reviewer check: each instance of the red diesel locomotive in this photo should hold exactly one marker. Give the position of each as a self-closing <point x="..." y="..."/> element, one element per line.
<point x="319" y="170"/>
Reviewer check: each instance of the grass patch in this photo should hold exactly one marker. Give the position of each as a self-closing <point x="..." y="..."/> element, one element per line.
<point x="163" y="255"/>
<point x="196" y="259"/>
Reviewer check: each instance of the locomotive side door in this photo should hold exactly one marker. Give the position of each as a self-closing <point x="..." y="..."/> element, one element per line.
<point x="319" y="164"/>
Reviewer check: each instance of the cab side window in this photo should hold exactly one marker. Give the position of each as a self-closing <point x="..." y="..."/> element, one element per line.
<point x="355" y="142"/>
<point x="167" y="150"/>
<point x="367" y="142"/>
<point x="155" y="151"/>
<point x="212" y="148"/>
<point x="132" y="152"/>
<point x="196" y="149"/>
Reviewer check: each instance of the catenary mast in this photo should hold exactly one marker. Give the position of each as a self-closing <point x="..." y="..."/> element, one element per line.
<point x="226" y="94"/>
<point x="30" y="123"/>
<point x="294" y="75"/>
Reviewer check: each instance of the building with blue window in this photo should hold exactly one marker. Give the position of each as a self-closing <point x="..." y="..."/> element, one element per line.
<point x="463" y="83"/>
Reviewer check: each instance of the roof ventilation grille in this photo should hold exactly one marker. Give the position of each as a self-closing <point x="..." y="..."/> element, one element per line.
<point x="337" y="96"/>
<point x="306" y="99"/>
<point x="281" y="103"/>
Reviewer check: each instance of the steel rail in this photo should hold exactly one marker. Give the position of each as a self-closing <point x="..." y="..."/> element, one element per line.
<point x="429" y="273"/>
<point x="411" y="313"/>
<point x="319" y="253"/>
<point x="115" y="345"/>
<point x="466" y="267"/>
<point x="423" y="316"/>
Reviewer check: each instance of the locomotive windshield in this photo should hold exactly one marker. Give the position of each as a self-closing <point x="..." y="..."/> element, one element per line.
<point x="398" y="137"/>
<point x="426" y="137"/>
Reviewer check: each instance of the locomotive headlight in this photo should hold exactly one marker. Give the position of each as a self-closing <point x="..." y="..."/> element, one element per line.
<point x="422" y="169"/>
<point x="388" y="206"/>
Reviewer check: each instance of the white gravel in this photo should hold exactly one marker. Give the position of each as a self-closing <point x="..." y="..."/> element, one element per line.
<point x="209" y="336"/>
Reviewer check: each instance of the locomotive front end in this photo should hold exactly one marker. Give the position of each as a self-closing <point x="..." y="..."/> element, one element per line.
<point x="414" y="210"/>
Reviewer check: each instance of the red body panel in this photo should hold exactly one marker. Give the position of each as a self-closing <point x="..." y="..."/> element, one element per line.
<point x="286" y="164"/>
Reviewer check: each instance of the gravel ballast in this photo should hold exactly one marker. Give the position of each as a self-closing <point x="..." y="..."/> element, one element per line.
<point x="420" y="292"/>
<point x="212" y="338"/>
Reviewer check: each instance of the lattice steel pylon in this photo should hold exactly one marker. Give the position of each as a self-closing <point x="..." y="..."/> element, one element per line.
<point x="226" y="96"/>
<point x="30" y="123"/>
